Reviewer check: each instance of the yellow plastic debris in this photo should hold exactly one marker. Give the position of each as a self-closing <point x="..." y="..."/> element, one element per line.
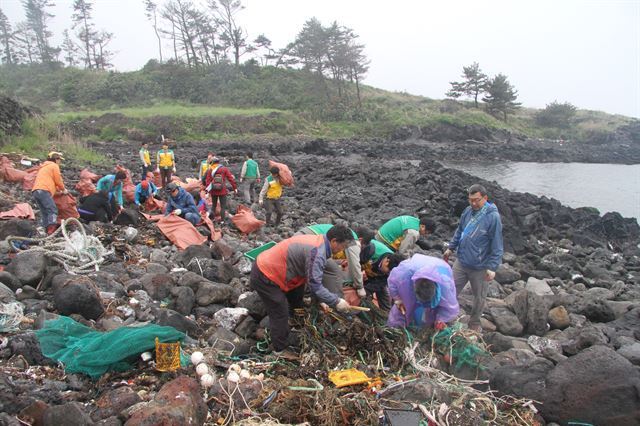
<point x="167" y="356"/>
<point x="342" y="378"/>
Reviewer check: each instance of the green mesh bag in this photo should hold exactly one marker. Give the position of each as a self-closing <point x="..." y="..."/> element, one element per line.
<point x="84" y="350"/>
<point x="463" y="351"/>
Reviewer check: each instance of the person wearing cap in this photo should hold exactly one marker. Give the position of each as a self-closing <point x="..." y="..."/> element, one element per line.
<point x="249" y="177"/>
<point x="112" y="185"/>
<point x="272" y="191"/>
<point x="423" y="292"/>
<point x="181" y="203"/>
<point x="377" y="268"/>
<point x="145" y="158"/>
<point x="166" y="164"/>
<point x="144" y="191"/>
<point x="216" y="185"/>
<point x="97" y="207"/>
<point x="204" y="166"/>
<point x="48" y="182"/>
<point x="402" y="232"/>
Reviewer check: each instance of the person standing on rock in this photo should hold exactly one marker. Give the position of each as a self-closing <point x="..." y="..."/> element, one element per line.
<point x="204" y="166"/>
<point x="272" y="190"/>
<point x="249" y="177"/>
<point x="180" y="203"/>
<point x="402" y="232"/>
<point x="166" y="164"/>
<point x="48" y="182"/>
<point x="145" y="158"/>
<point x="216" y="185"/>
<point x="423" y="293"/>
<point x="478" y="243"/>
<point x="280" y="274"/>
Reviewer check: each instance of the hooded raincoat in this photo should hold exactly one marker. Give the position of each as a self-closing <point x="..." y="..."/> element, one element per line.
<point x="401" y="281"/>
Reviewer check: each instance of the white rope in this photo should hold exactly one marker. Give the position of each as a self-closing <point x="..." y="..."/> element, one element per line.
<point x="10" y="316"/>
<point x="77" y="252"/>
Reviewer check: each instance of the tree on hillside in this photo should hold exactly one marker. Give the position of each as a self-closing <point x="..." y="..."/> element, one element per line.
<point x="36" y="19"/>
<point x="69" y="50"/>
<point x="232" y="35"/>
<point x="501" y="96"/>
<point x="101" y="55"/>
<point x="151" y="8"/>
<point x="181" y="15"/>
<point x="82" y="19"/>
<point x="6" y="34"/>
<point x="473" y="84"/>
<point x="26" y="44"/>
<point x="556" y="114"/>
<point x="263" y="43"/>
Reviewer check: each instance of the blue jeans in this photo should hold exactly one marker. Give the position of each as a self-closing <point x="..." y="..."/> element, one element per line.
<point x="48" y="208"/>
<point x="192" y="217"/>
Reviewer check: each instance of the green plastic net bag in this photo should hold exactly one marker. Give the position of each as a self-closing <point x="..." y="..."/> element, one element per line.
<point x="84" y="350"/>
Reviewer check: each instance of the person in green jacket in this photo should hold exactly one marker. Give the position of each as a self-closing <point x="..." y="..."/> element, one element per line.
<point x="402" y="232"/>
<point x="334" y="274"/>
<point x="249" y="177"/>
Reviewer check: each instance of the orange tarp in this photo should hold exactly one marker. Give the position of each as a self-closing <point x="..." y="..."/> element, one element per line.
<point x="245" y="221"/>
<point x="22" y="210"/>
<point x="30" y="179"/>
<point x="180" y="232"/>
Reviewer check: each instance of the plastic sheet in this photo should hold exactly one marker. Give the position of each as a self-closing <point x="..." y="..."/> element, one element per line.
<point x="245" y="220"/>
<point x="22" y="210"/>
<point x="180" y="232"/>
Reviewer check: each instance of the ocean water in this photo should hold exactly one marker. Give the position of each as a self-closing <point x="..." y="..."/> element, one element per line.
<point x="607" y="187"/>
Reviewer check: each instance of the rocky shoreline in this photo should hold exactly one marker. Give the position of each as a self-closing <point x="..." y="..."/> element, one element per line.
<point x="562" y="322"/>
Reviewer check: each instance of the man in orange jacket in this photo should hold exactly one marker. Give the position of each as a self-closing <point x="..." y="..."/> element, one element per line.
<point x="48" y="182"/>
<point x="279" y="276"/>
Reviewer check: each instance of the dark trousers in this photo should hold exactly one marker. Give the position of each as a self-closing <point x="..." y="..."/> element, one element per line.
<point x="280" y="305"/>
<point x="100" y="216"/>
<point x="145" y="170"/>
<point x="378" y="286"/>
<point x="165" y="176"/>
<point x="223" y="206"/>
<point x="271" y="204"/>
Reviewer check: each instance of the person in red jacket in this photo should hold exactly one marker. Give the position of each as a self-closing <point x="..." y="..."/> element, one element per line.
<point x="216" y="180"/>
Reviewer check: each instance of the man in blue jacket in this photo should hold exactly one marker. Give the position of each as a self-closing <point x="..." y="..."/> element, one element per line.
<point x="181" y="203"/>
<point x="478" y="243"/>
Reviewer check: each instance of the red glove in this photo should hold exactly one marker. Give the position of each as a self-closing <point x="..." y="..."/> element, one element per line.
<point x="258" y="180"/>
<point x="440" y="325"/>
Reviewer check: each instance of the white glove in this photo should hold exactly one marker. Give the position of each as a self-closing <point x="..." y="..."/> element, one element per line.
<point x="361" y="292"/>
<point x="342" y="305"/>
<point x="178" y="212"/>
<point x="174" y="170"/>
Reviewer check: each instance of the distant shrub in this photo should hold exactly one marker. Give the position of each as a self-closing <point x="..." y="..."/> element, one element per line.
<point x="556" y="114"/>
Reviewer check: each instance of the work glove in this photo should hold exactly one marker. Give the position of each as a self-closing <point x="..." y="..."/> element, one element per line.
<point x="361" y="292"/>
<point x="342" y="306"/>
<point x="174" y="170"/>
<point x="177" y="212"/>
<point x="157" y="169"/>
<point x="446" y="255"/>
<point x="490" y="275"/>
<point x="440" y="325"/>
<point x="260" y="203"/>
<point x="423" y="244"/>
<point x="400" y="306"/>
<point x="258" y="180"/>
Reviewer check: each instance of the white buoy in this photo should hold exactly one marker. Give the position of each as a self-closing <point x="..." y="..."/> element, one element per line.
<point x="245" y="374"/>
<point x="233" y="377"/>
<point x="196" y="358"/>
<point x="206" y="381"/>
<point x="202" y="369"/>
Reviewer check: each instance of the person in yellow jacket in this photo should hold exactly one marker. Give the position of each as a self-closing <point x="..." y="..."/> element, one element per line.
<point x="145" y="159"/>
<point x="48" y="182"/>
<point x="166" y="162"/>
<point x="272" y="189"/>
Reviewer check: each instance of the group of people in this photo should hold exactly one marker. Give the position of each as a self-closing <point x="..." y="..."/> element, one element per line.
<point x="417" y="290"/>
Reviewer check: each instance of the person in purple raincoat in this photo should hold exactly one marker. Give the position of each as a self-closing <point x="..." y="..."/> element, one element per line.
<point x="423" y="292"/>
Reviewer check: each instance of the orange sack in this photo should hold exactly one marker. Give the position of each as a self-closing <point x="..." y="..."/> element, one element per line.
<point x="286" y="177"/>
<point x="180" y="232"/>
<point x="86" y="174"/>
<point x="245" y="221"/>
<point x="9" y="173"/>
<point x="66" y="204"/>
<point x="30" y="179"/>
<point x="22" y="210"/>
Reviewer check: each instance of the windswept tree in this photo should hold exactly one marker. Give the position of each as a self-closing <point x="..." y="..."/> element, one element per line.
<point x="231" y="34"/>
<point x="37" y="18"/>
<point x="556" y="114"/>
<point x="83" y="21"/>
<point x="501" y="97"/>
<point x="6" y="36"/>
<point x="151" y="12"/>
<point x="473" y="84"/>
<point x="262" y="43"/>
<point x="69" y="50"/>
<point x="181" y="16"/>
<point x="25" y="43"/>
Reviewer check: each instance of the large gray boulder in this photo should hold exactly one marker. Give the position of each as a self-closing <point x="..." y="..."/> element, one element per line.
<point x="29" y="267"/>
<point x="214" y="270"/>
<point x="506" y="321"/>
<point x="77" y="295"/>
<point x="209" y="293"/>
<point x="596" y="386"/>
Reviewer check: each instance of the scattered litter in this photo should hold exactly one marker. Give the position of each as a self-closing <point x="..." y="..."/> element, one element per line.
<point x="11" y="315"/>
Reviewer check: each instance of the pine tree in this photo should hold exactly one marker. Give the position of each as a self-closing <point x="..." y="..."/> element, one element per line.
<point x="501" y="96"/>
<point x="474" y="83"/>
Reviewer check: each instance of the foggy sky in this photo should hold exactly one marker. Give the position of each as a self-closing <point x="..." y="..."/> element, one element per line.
<point x="583" y="52"/>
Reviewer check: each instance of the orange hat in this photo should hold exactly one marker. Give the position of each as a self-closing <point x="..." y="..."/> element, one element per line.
<point x="144" y="184"/>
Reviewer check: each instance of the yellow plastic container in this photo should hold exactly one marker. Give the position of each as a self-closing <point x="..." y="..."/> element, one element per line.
<point x="348" y="377"/>
<point x="167" y="356"/>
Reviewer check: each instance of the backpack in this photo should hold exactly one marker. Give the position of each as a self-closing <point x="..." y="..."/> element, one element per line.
<point x="217" y="180"/>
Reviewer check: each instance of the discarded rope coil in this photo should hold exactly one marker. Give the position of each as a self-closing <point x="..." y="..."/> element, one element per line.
<point x="77" y="252"/>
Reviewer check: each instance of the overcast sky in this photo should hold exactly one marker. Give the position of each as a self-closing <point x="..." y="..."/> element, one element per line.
<point x="583" y="52"/>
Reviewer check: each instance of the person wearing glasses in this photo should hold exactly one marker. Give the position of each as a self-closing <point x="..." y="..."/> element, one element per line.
<point x="478" y="244"/>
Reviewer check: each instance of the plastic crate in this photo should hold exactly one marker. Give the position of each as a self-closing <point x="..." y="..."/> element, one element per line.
<point x="252" y="254"/>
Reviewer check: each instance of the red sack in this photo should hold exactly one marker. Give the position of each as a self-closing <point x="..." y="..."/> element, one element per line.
<point x="30" y="179"/>
<point x="180" y="232"/>
<point x="128" y="179"/>
<point x="245" y="221"/>
<point x="22" y="210"/>
<point x="192" y="185"/>
<point x="85" y="187"/>
<point x="286" y="177"/>
<point x="9" y="173"/>
<point x="216" y="234"/>
<point x="128" y="191"/>
<point x="157" y="179"/>
<point x="86" y="174"/>
<point x="66" y="204"/>
<point x="153" y="203"/>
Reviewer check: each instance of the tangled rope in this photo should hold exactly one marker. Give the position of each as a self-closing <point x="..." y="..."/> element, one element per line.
<point x="10" y="316"/>
<point x="77" y="252"/>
